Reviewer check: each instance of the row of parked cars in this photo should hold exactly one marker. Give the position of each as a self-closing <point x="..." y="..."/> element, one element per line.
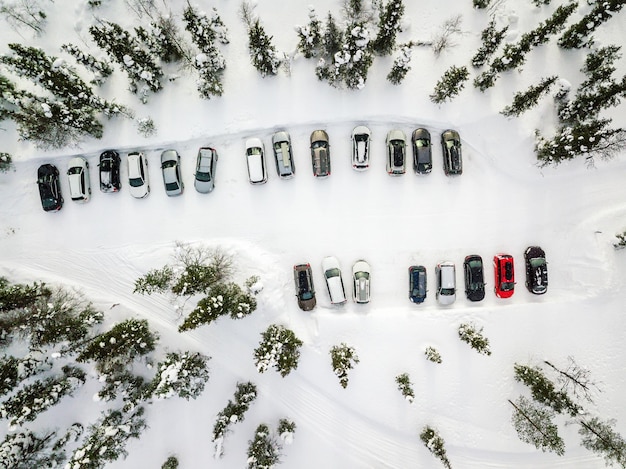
<point x="445" y="273"/>
<point x="110" y="180"/>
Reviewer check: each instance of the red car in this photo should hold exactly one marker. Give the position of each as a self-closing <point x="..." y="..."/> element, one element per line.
<point x="505" y="275"/>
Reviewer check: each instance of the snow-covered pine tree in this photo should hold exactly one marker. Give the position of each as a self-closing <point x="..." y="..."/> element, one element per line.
<point x="310" y="36"/>
<point x="435" y="444"/>
<point x="450" y="84"/>
<point x="124" y="49"/>
<point x="263" y="450"/>
<point x="9" y="375"/>
<point x="534" y="425"/>
<point x="263" y="54"/>
<point x="26" y="450"/>
<point x="525" y="100"/>
<point x="470" y="334"/>
<point x="18" y="295"/>
<point x="223" y="299"/>
<point x="577" y="35"/>
<point x="199" y="268"/>
<point x="621" y="241"/>
<point x="405" y="387"/>
<point x="332" y="43"/>
<point x="343" y="358"/>
<point x="170" y="463"/>
<point x="121" y="383"/>
<point x="600" y="438"/>
<point x="106" y="440"/>
<point x="401" y="65"/>
<point x="234" y="412"/>
<point x="389" y="25"/>
<point x="553" y="25"/>
<point x="279" y="348"/>
<point x="162" y="39"/>
<point x="481" y="4"/>
<point x="180" y="374"/>
<point x="34" y="398"/>
<point x="352" y="63"/>
<point x="544" y="391"/>
<point x="432" y="355"/>
<point x="155" y="281"/>
<point x="491" y="40"/>
<point x="100" y="68"/>
<point x="286" y="431"/>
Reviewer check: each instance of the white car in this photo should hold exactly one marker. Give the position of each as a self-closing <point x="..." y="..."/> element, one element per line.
<point x="78" y="176"/>
<point x="255" y="158"/>
<point x="138" y="175"/>
<point x="170" y="166"/>
<point x="361" y="148"/>
<point x="361" y="282"/>
<point x="334" y="283"/>
<point x="446" y="283"/>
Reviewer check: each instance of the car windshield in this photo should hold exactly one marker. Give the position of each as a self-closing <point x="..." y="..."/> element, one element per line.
<point x="537" y="262"/>
<point x="204" y="177"/>
<point x="254" y="151"/>
<point x="364" y="275"/>
<point x="74" y="170"/>
<point x="332" y="273"/>
<point x="447" y="291"/>
<point x="136" y="182"/>
<point x="318" y="144"/>
<point x="307" y="295"/>
<point x="172" y="186"/>
<point x="49" y="201"/>
<point x="508" y="286"/>
<point x="398" y="152"/>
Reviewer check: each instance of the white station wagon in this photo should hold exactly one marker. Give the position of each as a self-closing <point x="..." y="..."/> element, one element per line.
<point x="332" y="274"/>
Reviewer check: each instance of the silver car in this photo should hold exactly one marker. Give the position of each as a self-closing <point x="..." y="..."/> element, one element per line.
<point x="320" y="153"/>
<point x="138" y="181"/>
<point x="281" y="143"/>
<point x="170" y="165"/>
<point x="361" y="148"/>
<point x="396" y="152"/>
<point x="205" y="170"/>
<point x="361" y="273"/>
<point x="78" y="177"/>
<point x="255" y="159"/>
<point x="446" y="283"/>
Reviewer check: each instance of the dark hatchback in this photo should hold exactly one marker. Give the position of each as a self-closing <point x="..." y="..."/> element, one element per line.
<point x="451" y="148"/>
<point x="474" y="277"/>
<point x="49" y="188"/>
<point x="110" y="171"/>
<point x="417" y="283"/>
<point x="305" y="291"/>
<point x="536" y="270"/>
<point x="422" y="151"/>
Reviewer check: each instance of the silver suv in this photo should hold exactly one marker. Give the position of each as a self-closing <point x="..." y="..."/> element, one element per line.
<point x="446" y="283"/>
<point x="281" y="143"/>
<point x="320" y="153"/>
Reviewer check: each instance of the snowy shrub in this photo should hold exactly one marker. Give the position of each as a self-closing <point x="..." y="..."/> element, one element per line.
<point x="155" y="281"/>
<point x="263" y="450"/>
<point x="600" y="438"/>
<point x="8" y="373"/>
<point x="401" y="65"/>
<point x="279" y="348"/>
<point x="621" y="240"/>
<point x="388" y="27"/>
<point x="405" y="387"/>
<point x="286" y="431"/>
<point x="435" y="444"/>
<point x="310" y="36"/>
<point x="146" y="128"/>
<point x="180" y="374"/>
<point x="577" y="35"/>
<point x="523" y="101"/>
<point x="254" y="285"/>
<point x="491" y="40"/>
<point x="106" y="440"/>
<point x="450" y="84"/>
<point x="118" y="347"/>
<point x="473" y="336"/>
<point x="101" y="69"/>
<point x="433" y="355"/>
<point x="485" y="80"/>
<point x="17" y="295"/>
<point x="343" y="359"/>
<point x="33" y="399"/>
<point x="481" y="4"/>
<point x="27" y="450"/>
<point x="197" y="269"/>
<point x="534" y="425"/>
<point x="234" y="412"/>
<point x="170" y="463"/>
<point x="122" y="383"/>
<point x="443" y="39"/>
<point x="544" y="391"/>
<point x="6" y="162"/>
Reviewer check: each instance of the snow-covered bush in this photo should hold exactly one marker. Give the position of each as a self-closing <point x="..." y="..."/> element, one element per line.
<point x="435" y="444"/>
<point x="155" y="281"/>
<point x="534" y="425"/>
<point x="491" y="40"/>
<point x="197" y="269"/>
<point x="401" y="65"/>
<point x="234" y="412"/>
<point x="146" y="128"/>
<point x="26" y="450"/>
<point x="621" y="241"/>
<point x="101" y="69"/>
<point x="263" y="450"/>
<point x="6" y="162"/>
<point x="450" y="84"/>
<point x="432" y="355"/>
<point x="389" y="25"/>
<point x="310" y="36"/>
<point x="279" y="348"/>
<point x="343" y="358"/>
<point x="405" y="387"/>
<point x="473" y="336"/>
<point x="481" y="4"/>
<point x="525" y="100"/>
<point x="544" y="391"/>
<point x="180" y="374"/>
<point x="443" y="39"/>
<point x="577" y="35"/>
<point x="286" y="431"/>
<point x="170" y="463"/>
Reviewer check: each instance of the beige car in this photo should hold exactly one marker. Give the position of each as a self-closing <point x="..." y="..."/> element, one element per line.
<point x="320" y="153"/>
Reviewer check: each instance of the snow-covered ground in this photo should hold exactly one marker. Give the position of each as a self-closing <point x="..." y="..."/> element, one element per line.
<point x="502" y="203"/>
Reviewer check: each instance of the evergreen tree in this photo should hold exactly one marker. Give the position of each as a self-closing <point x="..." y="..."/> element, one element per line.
<point x="433" y="355"/>
<point x="491" y="40"/>
<point x="600" y="438"/>
<point x="577" y="35"/>
<point x="180" y="374"/>
<point x="107" y="439"/>
<point x="155" y="281"/>
<point x="405" y="387"/>
<point x="286" y="430"/>
<point x="469" y="334"/>
<point x="234" y="412"/>
<point x="279" y="348"/>
<point x="481" y="4"/>
<point x="101" y="69"/>
<point x="435" y="444"/>
<point x="26" y="450"/>
<point x="310" y="36"/>
<point x="553" y="25"/>
<point x="544" y="391"/>
<point x="343" y="358"/>
<point x="170" y="463"/>
<point x="18" y="296"/>
<point x="263" y="450"/>
<point x="524" y="101"/>
<point x="263" y="53"/>
<point x="9" y="375"/>
<point x="450" y="84"/>
<point x="621" y="240"/>
<point x="388" y="27"/>
<point x="401" y="65"/>
<point x="162" y="39"/>
<point x="534" y="425"/>
<point x="121" y="383"/>
<point x="332" y="43"/>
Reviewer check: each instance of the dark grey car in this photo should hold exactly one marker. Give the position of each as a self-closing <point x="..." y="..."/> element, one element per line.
<point x="422" y="151"/>
<point x="281" y="142"/>
<point x="320" y="153"/>
<point x="451" y="147"/>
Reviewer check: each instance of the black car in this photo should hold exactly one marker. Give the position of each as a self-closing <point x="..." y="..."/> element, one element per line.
<point x="451" y="147"/>
<point x="536" y="270"/>
<point x="422" y="152"/>
<point x="305" y="291"/>
<point x="109" y="171"/>
<point x="417" y="283"/>
<point x="49" y="188"/>
<point x="474" y="277"/>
